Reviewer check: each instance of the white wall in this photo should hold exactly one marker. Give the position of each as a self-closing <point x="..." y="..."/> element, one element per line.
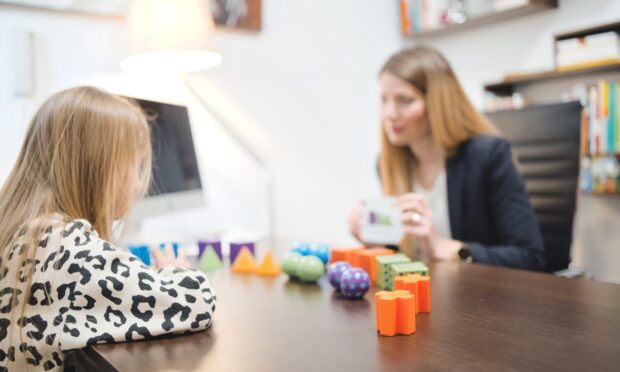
<point x="71" y="50"/>
<point x="68" y="49"/>
<point x="304" y="92"/>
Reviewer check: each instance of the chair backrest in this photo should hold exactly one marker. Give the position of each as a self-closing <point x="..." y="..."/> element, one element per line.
<point x="545" y="140"/>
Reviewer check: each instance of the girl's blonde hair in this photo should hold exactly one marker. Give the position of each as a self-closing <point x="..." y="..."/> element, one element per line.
<point x="79" y="153"/>
<point x="451" y="116"/>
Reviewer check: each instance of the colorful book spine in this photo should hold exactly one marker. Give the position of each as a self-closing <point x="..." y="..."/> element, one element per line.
<point x="592" y="108"/>
<point x="617" y="118"/>
<point x="584" y="133"/>
<point x="416" y="16"/>
<point x="611" y="117"/>
<point x="405" y="17"/>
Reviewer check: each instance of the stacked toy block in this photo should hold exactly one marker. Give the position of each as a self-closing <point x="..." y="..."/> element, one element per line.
<point x="397" y="310"/>
<point x="383" y="264"/>
<point x="349" y="255"/>
<point x="402" y="269"/>
<point x="419" y="286"/>
<point x="366" y="259"/>
<point x="395" y="313"/>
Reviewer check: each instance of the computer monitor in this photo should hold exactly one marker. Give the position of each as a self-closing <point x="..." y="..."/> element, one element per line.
<point x="176" y="183"/>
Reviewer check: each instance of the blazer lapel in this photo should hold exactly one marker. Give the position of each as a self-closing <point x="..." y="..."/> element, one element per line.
<point x="455" y="169"/>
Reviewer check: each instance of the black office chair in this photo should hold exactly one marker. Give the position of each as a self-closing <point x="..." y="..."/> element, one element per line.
<point x="545" y="140"/>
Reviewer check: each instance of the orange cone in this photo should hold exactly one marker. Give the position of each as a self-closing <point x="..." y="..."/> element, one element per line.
<point x="268" y="266"/>
<point x="244" y="263"/>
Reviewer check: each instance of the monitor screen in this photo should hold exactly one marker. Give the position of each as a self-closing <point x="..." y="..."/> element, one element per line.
<point x="175" y="168"/>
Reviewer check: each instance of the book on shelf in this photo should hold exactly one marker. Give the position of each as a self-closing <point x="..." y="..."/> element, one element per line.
<point x="601" y="119"/>
<point x="600" y="141"/>
<point x="587" y="51"/>
<point x="600" y="174"/>
<point x="423" y="15"/>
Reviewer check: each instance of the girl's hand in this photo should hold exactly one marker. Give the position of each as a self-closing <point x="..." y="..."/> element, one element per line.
<point x="167" y="257"/>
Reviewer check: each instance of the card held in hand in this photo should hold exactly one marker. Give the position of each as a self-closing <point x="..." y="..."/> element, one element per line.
<point x="381" y="222"/>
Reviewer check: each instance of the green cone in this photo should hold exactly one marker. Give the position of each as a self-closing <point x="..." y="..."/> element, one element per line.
<point x="209" y="260"/>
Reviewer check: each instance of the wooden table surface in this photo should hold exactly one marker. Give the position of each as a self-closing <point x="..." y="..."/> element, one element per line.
<point x="483" y="319"/>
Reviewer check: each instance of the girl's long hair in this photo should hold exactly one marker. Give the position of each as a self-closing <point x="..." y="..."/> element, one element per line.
<point x="78" y="155"/>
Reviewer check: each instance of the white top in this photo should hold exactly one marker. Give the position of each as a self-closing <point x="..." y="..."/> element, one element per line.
<point x="85" y="291"/>
<point x="437" y="199"/>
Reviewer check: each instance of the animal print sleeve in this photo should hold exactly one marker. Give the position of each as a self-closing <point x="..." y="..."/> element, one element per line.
<point x="111" y="296"/>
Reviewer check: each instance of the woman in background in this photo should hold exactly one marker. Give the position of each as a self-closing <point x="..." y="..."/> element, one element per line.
<point x="460" y="195"/>
<point x="63" y="285"/>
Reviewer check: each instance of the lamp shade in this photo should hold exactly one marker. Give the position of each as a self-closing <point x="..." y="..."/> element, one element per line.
<point x="170" y="36"/>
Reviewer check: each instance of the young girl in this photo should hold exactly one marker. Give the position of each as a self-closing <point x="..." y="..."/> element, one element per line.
<point x="85" y="159"/>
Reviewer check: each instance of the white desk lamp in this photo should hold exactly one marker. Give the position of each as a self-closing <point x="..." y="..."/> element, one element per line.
<point x="174" y="36"/>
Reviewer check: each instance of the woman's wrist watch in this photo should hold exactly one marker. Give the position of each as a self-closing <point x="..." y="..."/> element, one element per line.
<point x="465" y="254"/>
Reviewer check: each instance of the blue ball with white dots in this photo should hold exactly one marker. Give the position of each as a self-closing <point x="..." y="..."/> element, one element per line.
<point x="321" y="251"/>
<point x="354" y="283"/>
<point x="302" y="248"/>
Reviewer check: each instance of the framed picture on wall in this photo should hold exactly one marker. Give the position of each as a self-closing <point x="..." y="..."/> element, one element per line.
<point x="237" y="14"/>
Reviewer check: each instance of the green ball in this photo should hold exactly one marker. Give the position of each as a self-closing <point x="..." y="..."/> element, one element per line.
<point x="310" y="268"/>
<point x="290" y="262"/>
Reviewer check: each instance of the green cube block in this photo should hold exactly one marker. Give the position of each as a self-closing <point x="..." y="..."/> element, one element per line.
<point x="383" y="267"/>
<point x="401" y="269"/>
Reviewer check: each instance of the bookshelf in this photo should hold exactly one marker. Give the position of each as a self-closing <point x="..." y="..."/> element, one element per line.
<point x="596" y="83"/>
<point x="510" y="83"/>
<point x="480" y="18"/>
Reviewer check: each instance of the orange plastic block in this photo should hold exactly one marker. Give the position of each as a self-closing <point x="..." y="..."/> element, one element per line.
<point x="409" y="283"/>
<point x="268" y="266"/>
<point x="366" y="260"/>
<point x="424" y="291"/>
<point x="345" y="254"/>
<point x="395" y="312"/>
<point x="244" y="263"/>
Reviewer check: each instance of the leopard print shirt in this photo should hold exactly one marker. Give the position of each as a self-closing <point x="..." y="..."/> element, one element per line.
<point x="85" y="291"/>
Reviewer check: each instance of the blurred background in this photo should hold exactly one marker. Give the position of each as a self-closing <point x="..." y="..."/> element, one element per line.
<point x="286" y="128"/>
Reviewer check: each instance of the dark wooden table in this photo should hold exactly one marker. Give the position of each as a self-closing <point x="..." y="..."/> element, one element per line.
<point x="483" y="319"/>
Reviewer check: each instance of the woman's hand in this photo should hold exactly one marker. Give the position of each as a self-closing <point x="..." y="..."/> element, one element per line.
<point x="167" y="257"/>
<point x="354" y="221"/>
<point x="417" y="219"/>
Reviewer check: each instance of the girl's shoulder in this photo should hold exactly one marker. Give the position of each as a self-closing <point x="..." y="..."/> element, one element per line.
<point x="78" y="232"/>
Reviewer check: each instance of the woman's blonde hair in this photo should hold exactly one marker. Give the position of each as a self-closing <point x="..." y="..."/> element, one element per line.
<point x="79" y="151"/>
<point x="451" y="116"/>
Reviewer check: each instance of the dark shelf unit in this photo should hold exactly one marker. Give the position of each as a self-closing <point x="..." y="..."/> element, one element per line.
<point x="533" y="6"/>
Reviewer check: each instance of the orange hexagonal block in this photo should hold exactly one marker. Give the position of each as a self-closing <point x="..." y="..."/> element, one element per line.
<point x="395" y="312"/>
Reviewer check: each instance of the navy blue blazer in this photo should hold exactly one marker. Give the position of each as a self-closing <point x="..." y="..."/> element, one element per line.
<point x="489" y="206"/>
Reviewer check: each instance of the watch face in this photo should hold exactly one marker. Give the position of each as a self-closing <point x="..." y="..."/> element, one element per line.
<point x="464" y="253"/>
